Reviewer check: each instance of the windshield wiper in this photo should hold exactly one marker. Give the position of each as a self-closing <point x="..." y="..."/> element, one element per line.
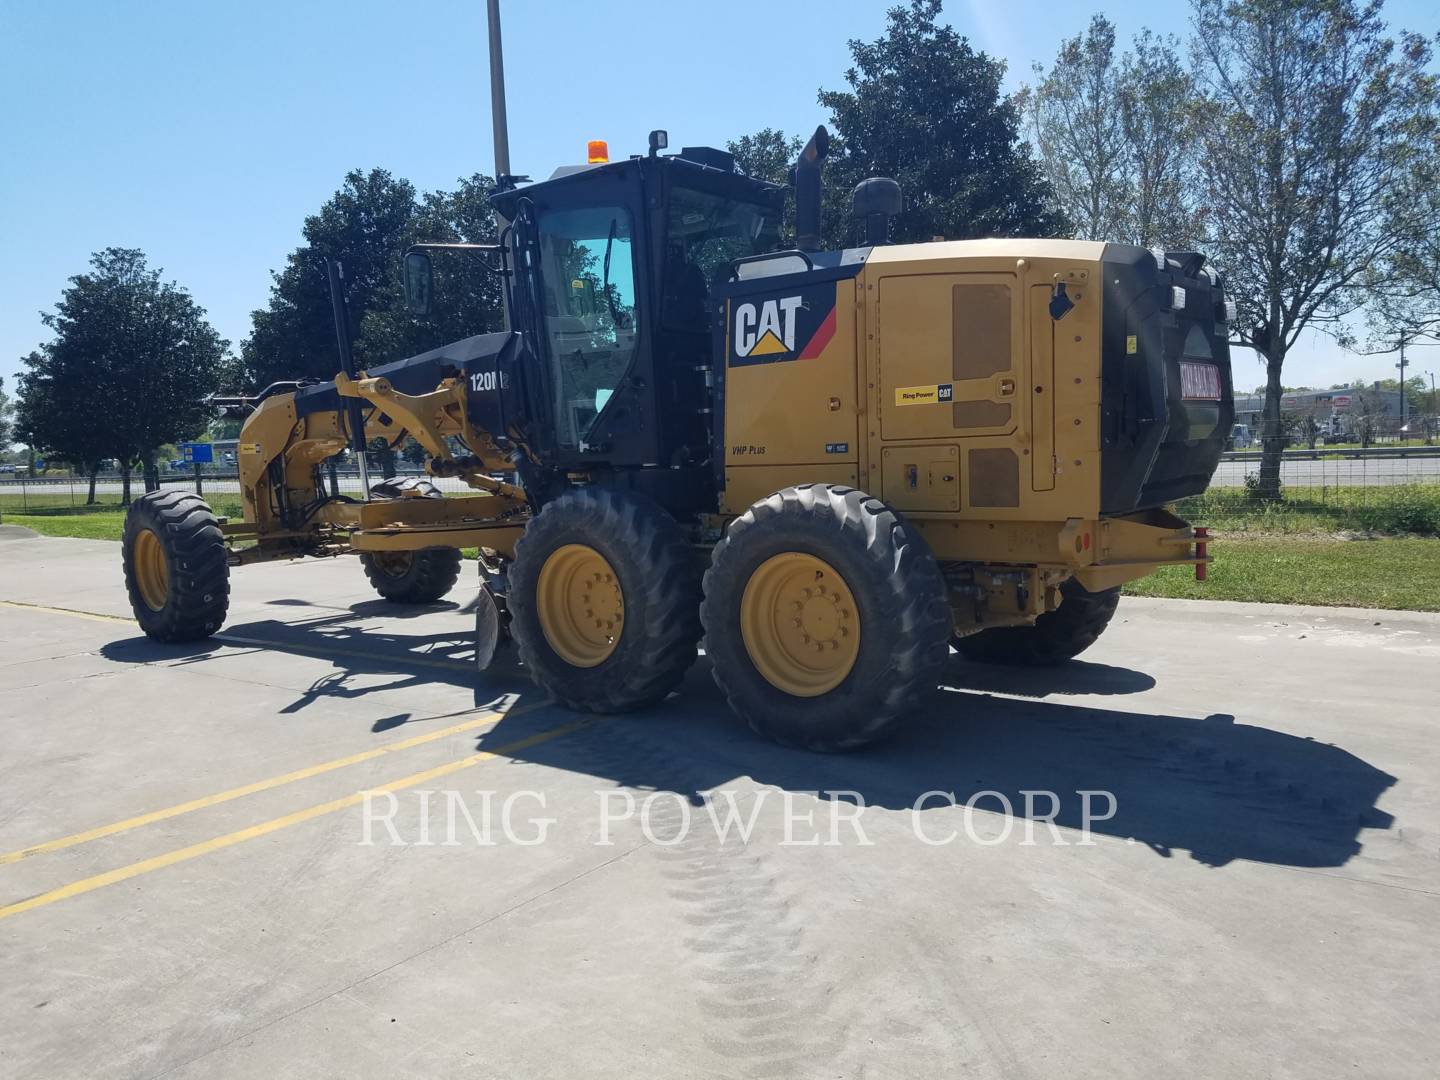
<point x="605" y="283"/>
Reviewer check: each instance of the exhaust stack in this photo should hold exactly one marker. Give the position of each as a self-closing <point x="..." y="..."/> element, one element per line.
<point x="807" y="190"/>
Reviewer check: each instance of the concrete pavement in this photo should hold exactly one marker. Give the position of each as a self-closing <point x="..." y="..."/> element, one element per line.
<point x="1263" y="901"/>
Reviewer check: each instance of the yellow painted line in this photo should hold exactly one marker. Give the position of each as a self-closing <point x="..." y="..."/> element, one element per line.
<point x="488" y="719"/>
<point x="194" y="851"/>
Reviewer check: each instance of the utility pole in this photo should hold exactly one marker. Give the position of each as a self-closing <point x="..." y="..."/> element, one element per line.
<point x="1434" y="418"/>
<point x="1404" y="397"/>
<point x="498" y="122"/>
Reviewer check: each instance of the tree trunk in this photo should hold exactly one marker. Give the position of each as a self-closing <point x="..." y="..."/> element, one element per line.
<point x="125" y="483"/>
<point x="387" y="461"/>
<point x="1272" y="437"/>
<point x="90" y="499"/>
<point x="152" y="472"/>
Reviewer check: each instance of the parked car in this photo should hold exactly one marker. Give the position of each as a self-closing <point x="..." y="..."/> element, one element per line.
<point x="7" y="468"/>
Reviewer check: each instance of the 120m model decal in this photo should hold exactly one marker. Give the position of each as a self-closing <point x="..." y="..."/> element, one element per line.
<point x="791" y="326"/>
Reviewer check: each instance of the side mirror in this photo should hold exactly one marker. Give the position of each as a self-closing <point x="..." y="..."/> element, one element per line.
<point x="419" y="282"/>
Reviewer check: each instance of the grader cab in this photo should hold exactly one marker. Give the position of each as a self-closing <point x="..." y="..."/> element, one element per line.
<point x="829" y="465"/>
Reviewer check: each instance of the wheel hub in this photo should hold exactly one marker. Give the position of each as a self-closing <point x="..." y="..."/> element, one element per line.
<point x="152" y="573"/>
<point x="580" y="605"/>
<point x="393" y="563"/>
<point x="800" y="624"/>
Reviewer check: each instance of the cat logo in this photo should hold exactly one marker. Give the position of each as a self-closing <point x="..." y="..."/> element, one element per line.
<point x="768" y="330"/>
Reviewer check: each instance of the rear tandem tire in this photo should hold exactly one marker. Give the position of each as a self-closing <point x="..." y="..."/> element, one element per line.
<point x="1056" y="636"/>
<point x="176" y="568"/>
<point x="411" y="577"/>
<point x="604" y="601"/>
<point x="825" y="618"/>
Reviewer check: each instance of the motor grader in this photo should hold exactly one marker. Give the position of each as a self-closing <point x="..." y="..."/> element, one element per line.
<point x="823" y="467"/>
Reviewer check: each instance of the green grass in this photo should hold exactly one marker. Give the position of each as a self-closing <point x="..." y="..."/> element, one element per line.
<point x="1398" y="573"/>
<point x="1397" y="509"/>
<point x="1300" y="551"/>
<point x="57" y="516"/>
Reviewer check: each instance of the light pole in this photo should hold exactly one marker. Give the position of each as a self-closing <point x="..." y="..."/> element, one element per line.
<point x="1434" y="416"/>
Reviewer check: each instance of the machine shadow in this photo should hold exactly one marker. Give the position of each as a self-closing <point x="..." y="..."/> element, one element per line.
<point x="366" y="657"/>
<point x="1211" y="786"/>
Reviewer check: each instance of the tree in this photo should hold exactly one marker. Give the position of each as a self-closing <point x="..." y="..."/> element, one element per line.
<point x="55" y="414"/>
<point x="1112" y="136"/>
<point x="767" y="155"/>
<point x="468" y="299"/>
<point x="1156" y="96"/>
<point x="5" y="418"/>
<point x="364" y="225"/>
<point x="1303" y="132"/>
<point x="128" y="370"/>
<point x="1079" y="132"/>
<point x="925" y="108"/>
<point x="367" y="225"/>
<point x="1408" y="280"/>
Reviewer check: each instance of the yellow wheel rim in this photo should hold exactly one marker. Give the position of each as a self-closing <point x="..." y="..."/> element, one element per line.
<point x="393" y="563"/>
<point x="800" y="624"/>
<point x="152" y="575"/>
<point x="580" y="606"/>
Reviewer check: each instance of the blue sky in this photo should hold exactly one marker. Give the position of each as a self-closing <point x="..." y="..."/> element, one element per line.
<point x="204" y="132"/>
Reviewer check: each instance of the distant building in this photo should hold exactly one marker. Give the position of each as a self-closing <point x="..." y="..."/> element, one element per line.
<point x="1335" y="411"/>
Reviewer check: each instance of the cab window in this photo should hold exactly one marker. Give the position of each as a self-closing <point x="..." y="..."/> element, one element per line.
<point x="587" y="265"/>
<point x="705" y="234"/>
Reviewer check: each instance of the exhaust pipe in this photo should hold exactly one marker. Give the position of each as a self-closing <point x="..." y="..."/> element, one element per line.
<point x="807" y="190"/>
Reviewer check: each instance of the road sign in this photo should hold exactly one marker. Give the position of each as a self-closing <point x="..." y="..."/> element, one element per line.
<point x="199" y="453"/>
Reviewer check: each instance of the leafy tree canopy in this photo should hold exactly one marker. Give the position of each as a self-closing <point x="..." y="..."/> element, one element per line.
<point x="367" y="225"/>
<point x="129" y="367"/>
<point x="924" y="107"/>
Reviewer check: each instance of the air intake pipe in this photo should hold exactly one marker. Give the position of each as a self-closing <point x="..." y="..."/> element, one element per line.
<point x="807" y="190"/>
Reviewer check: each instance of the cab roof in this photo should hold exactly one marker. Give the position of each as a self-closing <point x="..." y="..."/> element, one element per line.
<point x="692" y="161"/>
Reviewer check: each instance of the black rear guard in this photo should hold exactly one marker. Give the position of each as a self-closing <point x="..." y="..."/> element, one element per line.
<point x="1157" y="444"/>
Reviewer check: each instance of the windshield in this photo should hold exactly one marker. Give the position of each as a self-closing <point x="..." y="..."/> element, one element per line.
<point x="706" y="233"/>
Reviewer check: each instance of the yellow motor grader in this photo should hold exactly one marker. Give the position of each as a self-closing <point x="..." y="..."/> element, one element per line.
<point x="828" y="466"/>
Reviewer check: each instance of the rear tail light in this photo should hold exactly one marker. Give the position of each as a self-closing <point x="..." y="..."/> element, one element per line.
<point x="1199" y="382"/>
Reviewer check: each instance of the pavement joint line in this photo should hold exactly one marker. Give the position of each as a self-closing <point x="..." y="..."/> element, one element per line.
<point x="489" y="718"/>
<point x="264" y="828"/>
<point x="94" y="616"/>
<point x="268" y="643"/>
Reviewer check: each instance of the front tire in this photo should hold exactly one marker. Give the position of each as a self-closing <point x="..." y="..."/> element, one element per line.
<point x="825" y="618"/>
<point x="411" y="577"/>
<point x="604" y="599"/>
<point x="176" y="569"/>
<point x="1055" y="637"/>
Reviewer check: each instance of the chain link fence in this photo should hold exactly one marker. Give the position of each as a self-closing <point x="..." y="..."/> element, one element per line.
<point x="1383" y="489"/>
